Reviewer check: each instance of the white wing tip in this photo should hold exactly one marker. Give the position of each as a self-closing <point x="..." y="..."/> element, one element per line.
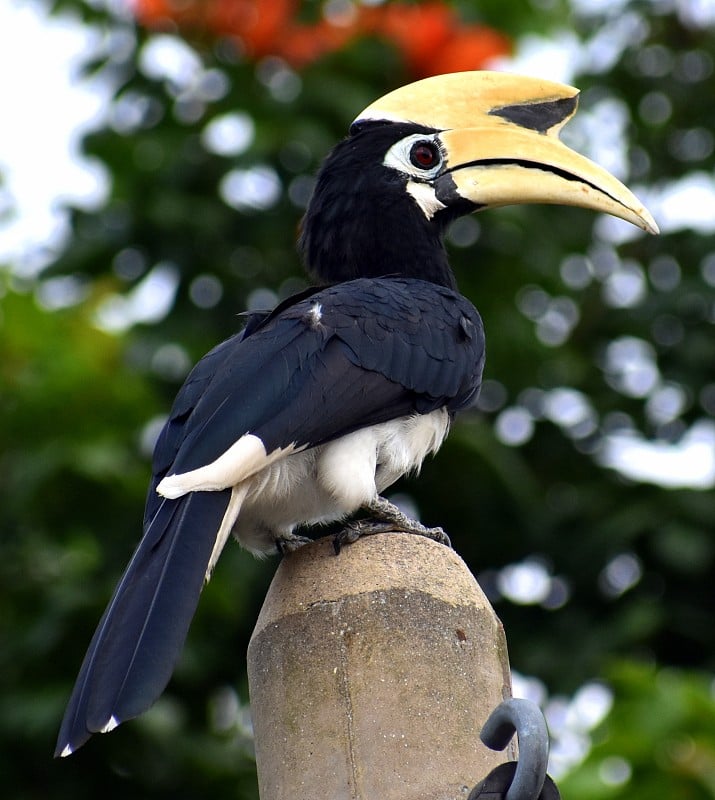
<point x="66" y="752"/>
<point x="244" y="458"/>
<point x="171" y="487"/>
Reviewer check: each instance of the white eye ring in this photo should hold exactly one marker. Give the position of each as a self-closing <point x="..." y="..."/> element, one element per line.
<point x="407" y="155"/>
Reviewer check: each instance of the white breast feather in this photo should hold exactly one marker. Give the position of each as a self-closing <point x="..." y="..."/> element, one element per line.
<point x="358" y="466"/>
<point x="272" y="493"/>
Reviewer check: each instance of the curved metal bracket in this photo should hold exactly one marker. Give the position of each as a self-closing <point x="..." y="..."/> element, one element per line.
<point x="526" y="720"/>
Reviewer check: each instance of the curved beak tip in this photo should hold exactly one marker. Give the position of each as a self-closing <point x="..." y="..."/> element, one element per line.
<point x="642" y="218"/>
<point x="650" y="225"/>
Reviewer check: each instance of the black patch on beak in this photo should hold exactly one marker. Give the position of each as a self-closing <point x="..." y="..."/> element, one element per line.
<point x="540" y="117"/>
<point x="445" y="190"/>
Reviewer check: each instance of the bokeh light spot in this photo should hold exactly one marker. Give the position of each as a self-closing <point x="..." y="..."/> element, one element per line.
<point x="229" y="134"/>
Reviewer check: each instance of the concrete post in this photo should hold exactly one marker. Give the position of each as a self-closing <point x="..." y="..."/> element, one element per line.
<point x="372" y="672"/>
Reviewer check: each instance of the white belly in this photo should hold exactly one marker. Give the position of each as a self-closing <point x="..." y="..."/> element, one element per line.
<point x="330" y="482"/>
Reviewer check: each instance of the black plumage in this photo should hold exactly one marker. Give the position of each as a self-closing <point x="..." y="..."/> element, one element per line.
<point x="380" y="350"/>
<point x="389" y="339"/>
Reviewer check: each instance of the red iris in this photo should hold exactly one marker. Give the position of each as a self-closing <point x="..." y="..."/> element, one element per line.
<point x="424" y="155"/>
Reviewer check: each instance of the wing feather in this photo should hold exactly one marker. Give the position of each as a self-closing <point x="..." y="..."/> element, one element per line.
<point x="379" y="350"/>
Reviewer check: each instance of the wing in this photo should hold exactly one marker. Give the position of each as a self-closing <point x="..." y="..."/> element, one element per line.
<point x="333" y="361"/>
<point x="356" y="354"/>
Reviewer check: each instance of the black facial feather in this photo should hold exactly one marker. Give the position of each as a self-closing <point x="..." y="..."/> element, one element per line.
<point x="361" y="221"/>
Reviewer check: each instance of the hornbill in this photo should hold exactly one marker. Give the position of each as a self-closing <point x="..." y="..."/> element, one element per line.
<point x="315" y="408"/>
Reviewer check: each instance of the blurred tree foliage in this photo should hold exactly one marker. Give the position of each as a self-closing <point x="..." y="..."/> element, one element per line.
<point x="593" y="333"/>
<point x="657" y="742"/>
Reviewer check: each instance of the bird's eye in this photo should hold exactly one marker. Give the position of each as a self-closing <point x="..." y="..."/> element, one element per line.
<point x="418" y="156"/>
<point x="424" y="155"/>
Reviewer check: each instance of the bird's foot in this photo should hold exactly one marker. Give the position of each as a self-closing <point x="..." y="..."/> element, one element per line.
<point x="290" y="542"/>
<point x="363" y="527"/>
<point x="386" y="518"/>
<point x="382" y="509"/>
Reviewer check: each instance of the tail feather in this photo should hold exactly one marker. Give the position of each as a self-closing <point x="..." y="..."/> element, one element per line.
<point x="142" y="632"/>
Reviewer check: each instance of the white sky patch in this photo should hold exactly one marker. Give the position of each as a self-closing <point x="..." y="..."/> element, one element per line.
<point x="256" y="188"/>
<point x="229" y="134"/>
<point x="526" y="583"/>
<point x="696" y="13"/>
<point x="562" y="55"/>
<point x="148" y="302"/>
<point x="688" y="464"/>
<point x="555" y="57"/>
<point x="46" y="110"/>
<point x="169" y="58"/>
<point x="685" y="203"/>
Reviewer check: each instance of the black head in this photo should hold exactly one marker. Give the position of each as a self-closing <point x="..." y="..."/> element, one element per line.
<point x="385" y="195"/>
<point x="374" y="210"/>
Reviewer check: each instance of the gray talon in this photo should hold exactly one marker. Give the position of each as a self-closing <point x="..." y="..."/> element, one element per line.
<point x="386" y="518"/>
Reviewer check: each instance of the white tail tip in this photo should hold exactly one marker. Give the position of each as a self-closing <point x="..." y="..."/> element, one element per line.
<point x="110" y="725"/>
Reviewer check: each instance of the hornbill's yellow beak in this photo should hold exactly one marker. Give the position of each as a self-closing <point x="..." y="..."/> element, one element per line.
<point x="499" y="135"/>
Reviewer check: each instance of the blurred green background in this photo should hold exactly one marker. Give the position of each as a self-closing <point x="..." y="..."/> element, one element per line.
<point x="580" y="491"/>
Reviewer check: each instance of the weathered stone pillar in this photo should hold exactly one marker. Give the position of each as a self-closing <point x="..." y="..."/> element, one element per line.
<point x="372" y="672"/>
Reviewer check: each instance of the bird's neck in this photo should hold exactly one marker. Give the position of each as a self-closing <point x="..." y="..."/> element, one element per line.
<point x="376" y="256"/>
<point x="372" y="236"/>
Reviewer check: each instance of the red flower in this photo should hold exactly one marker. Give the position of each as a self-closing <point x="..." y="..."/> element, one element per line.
<point x="304" y="44"/>
<point x="259" y="24"/>
<point x="434" y="41"/>
<point x="430" y="36"/>
<point x="467" y="49"/>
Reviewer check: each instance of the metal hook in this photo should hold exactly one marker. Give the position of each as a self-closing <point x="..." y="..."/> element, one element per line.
<point x="526" y="720"/>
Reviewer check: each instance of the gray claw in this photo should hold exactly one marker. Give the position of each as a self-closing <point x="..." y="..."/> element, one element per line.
<point x="291" y="543"/>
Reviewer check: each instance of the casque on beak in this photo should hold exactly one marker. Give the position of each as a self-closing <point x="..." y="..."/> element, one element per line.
<point x="499" y="133"/>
